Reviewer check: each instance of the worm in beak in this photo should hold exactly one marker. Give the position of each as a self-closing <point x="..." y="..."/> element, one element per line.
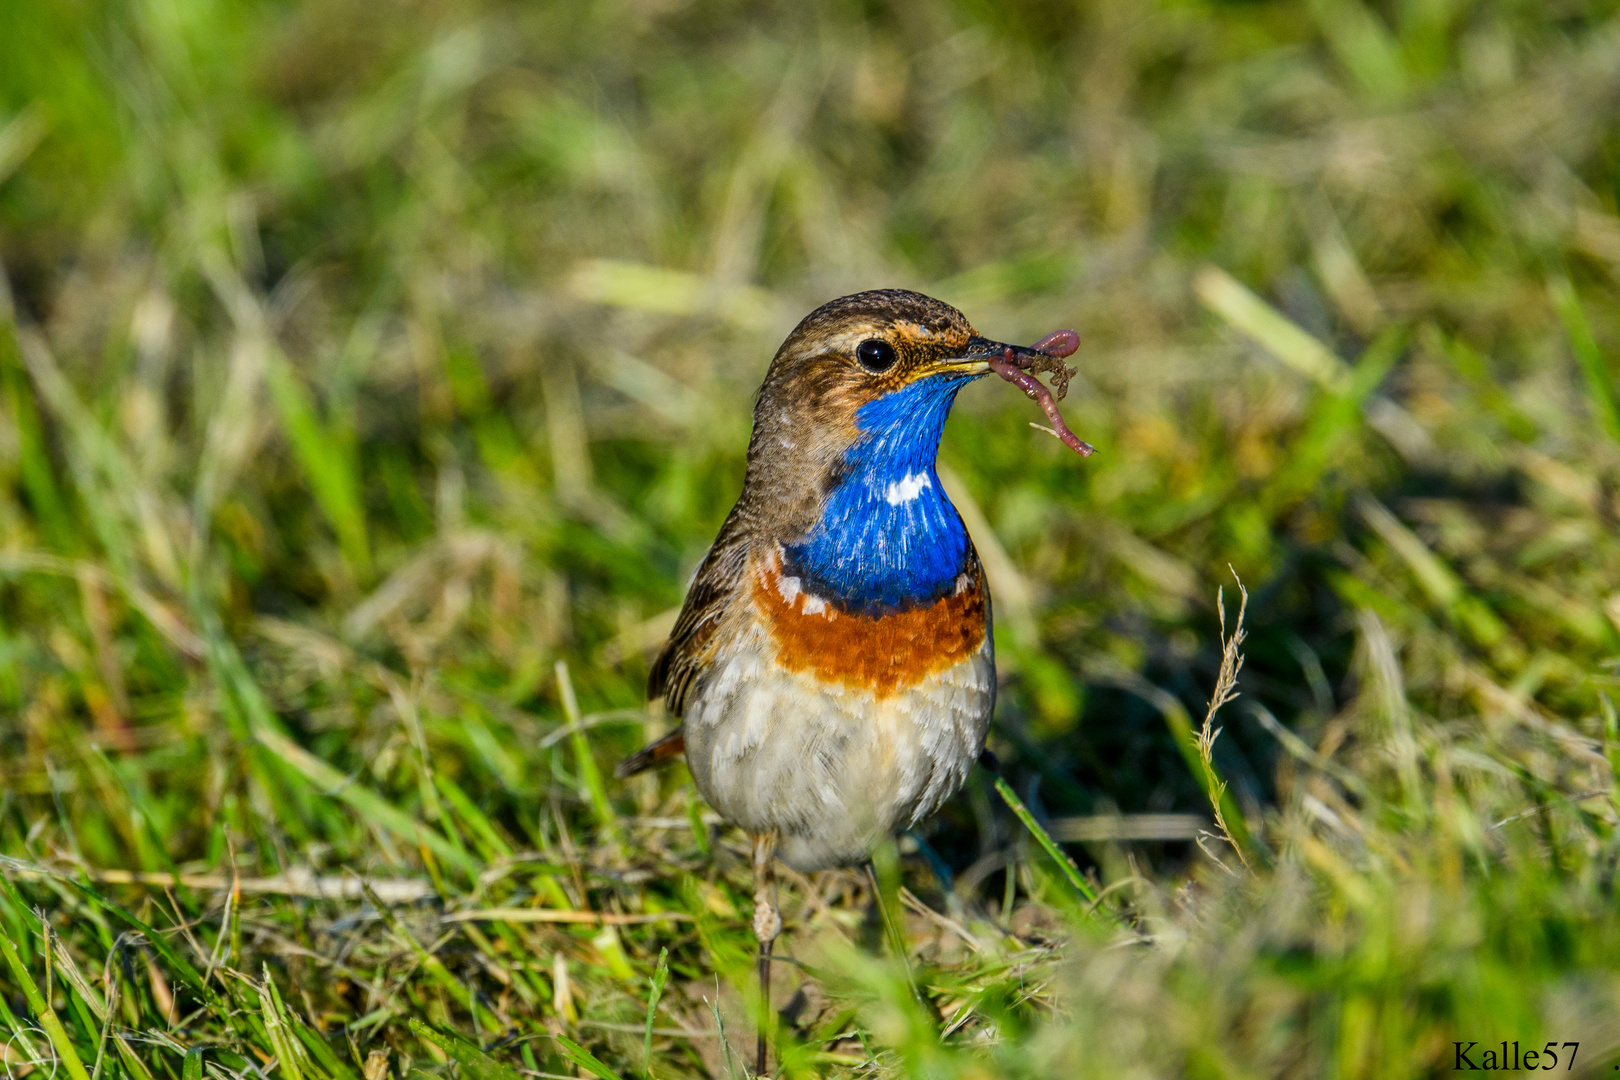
<point x="1019" y="366"/>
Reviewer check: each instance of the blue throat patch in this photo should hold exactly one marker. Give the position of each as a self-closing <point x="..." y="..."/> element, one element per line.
<point x="888" y="538"/>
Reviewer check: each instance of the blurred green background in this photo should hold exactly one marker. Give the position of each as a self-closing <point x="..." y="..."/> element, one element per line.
<point x="359" y="363"/>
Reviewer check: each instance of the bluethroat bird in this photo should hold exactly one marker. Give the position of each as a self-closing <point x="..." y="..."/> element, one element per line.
<point x="833" y="662"/>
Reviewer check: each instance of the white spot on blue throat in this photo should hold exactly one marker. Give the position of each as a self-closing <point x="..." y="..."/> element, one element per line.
<point x="888" y="538"/>
<point x="907" y="488"/>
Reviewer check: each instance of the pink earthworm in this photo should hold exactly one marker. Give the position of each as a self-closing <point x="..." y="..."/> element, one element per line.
<point x="1059" y="343"/>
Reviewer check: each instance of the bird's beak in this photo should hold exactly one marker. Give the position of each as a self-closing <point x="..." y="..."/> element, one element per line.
<point x="975" y="359"/>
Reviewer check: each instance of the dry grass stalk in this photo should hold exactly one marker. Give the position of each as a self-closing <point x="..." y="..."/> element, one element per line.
<point x="1225" y="690"/>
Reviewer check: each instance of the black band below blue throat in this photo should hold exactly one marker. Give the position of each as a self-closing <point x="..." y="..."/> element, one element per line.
<point x="872" y="599"/>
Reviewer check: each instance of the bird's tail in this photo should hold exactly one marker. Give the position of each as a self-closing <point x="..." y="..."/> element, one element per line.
<point x="652" y="754"/>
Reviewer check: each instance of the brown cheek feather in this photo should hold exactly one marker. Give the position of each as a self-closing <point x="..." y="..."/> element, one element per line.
<point x="880" y="654"/>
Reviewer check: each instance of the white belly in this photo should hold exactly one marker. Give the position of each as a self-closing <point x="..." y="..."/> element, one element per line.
<point x="827" y="768"/>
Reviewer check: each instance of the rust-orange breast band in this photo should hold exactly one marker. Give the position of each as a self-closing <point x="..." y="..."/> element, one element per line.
<point x="883" y="654"/>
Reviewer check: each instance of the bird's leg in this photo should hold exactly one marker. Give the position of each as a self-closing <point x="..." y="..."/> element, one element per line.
<point x="767" y="925"/>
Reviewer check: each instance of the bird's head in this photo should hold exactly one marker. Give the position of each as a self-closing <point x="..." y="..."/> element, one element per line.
<point x="838" y="373"/>
<point x="846" y="429"/>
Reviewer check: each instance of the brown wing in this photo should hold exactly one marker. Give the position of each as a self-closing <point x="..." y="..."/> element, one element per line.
<point x="714" y="590"/>
<point x="654" y="753"/>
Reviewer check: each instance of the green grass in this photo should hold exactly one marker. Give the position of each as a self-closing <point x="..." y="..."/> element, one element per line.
<point x="372" y="377"/>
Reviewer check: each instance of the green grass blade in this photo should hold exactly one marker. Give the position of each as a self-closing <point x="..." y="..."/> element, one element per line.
<point x="276" y="1028"/>
<point x="1270" y="329"/>
<point x="1442" y="584"/>
<point x="590" y="777"/>
<point x="1363" y="44"/>
<point x="176" y="963"/>
<point x="328" y="464"/>
<point x="42" y="1011"/>
<point x="660" y="973"/>
<point x="431" y="963"/>
<point x="484" y="832"/>
<point x="1334" y="419"/>
<point x="584" y="1058"/>
<point x="18" y="1030"/>
<point x="1044" y="838"/>
<point x="132" y="1062"/>
<point x="318" y="1049"/>
<point x="1488" y="390"/>
<point x="479" y="1065"/>
<point x="33" y="459"/>
<point x="1600" y="380"/>
<point x="369" y="804"/>
<point x="1611" y="747"/>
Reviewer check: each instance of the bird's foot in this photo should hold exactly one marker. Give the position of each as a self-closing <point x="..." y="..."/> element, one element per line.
<point x="767" y="920"/>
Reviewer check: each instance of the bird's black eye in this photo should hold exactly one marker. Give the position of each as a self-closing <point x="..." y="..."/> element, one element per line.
<point x="875" y="354"/>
